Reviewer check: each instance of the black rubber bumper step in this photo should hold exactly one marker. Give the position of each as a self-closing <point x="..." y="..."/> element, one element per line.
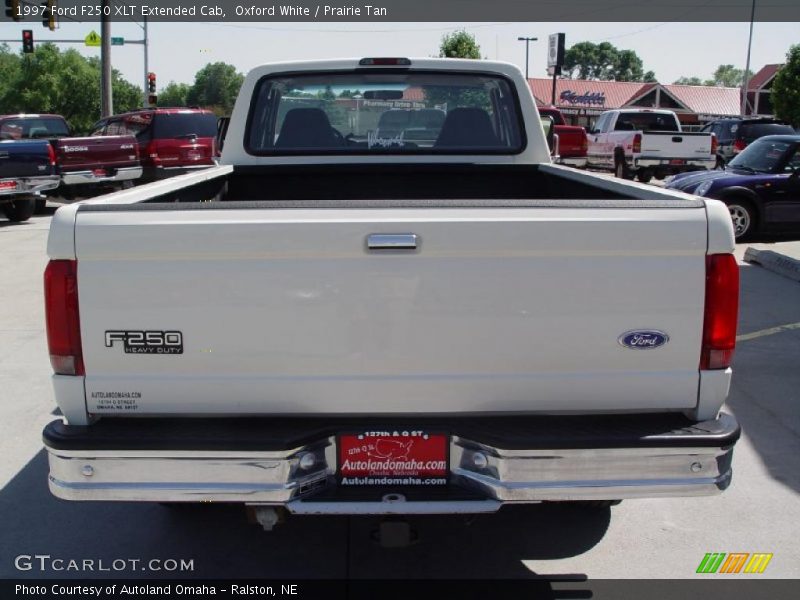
<point x="506" y="432"/>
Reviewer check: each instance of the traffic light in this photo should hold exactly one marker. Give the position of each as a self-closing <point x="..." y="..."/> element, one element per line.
<point x="12" y="10"/>
<point x="48" y="15"/>
<point x="152" y="100"/>
<point x="151" y="82"/>
<point x="27" y="41"/>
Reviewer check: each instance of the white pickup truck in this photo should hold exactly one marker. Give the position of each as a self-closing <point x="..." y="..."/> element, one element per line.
<point x="357" y="323"/>
<point x="648" y="143"/>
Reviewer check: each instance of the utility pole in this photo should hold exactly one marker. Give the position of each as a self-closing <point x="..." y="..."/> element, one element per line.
<point x="146" y="62"/>
<point x="527" y="41"/>
<point x="106" y="95"/>
<point x="746" y="77"/>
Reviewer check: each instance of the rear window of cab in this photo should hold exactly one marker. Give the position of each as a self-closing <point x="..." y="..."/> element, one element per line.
<point x="402" y="112"/>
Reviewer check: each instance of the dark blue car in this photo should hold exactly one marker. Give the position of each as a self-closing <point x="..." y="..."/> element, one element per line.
<point x="761" y="186"/>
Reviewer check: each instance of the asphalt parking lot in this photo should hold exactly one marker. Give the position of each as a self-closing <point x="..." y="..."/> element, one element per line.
<point x="638" y="539"/>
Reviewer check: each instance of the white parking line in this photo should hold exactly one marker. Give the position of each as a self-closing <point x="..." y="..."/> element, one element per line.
<point x="765" y="332"/>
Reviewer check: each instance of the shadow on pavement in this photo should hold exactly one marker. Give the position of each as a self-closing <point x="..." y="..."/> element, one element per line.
<point x="774" y="238"/>
<point x="222" y="544"/>
<point x="765" y="391"/>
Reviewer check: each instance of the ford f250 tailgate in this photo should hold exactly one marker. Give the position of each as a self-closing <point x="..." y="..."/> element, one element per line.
<point x="298" y="309"/>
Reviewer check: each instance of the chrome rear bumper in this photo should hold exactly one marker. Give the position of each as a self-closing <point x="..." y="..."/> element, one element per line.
<point x="87" y="177"/>
<point x="483" y="476"/>
<point x="30" y="185"/>
<point x="579" y="162"/>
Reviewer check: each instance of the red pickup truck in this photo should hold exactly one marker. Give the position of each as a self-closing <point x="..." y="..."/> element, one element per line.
<point x="573" y="144"/>
<point x="86" y="165"/>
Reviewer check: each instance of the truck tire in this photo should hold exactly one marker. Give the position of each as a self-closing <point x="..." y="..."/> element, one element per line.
<point x="621" y="170"/>
<point x="41" y="205"/>
<point x="644" y="175"/>
<point x="19" y="210"/>
<point x="743" y="216"/>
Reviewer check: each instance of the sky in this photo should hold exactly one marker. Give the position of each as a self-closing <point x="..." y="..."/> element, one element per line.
<point x="178" y="50"/>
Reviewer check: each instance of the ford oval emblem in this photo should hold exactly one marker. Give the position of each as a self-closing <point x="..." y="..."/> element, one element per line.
<point x="644" y="339"/>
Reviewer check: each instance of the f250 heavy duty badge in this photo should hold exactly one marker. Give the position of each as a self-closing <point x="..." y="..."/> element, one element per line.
<point x="146" y="342"/>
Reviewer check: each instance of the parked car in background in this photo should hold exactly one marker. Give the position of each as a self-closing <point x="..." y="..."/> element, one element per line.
<point x="27" y="170"/>
<point x="648" y="143"/>
<point x="573" y="144"/>
<point x="172" y="141"/>
<point x="87" y="166"/>
<point x="761" y="186"/>
<point x="734" y="135"/>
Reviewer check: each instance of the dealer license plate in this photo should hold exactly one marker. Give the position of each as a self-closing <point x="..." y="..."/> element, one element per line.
<point x="99" y="172"/>
<point x="393" y="457"/>
<point x="677" y="161"/>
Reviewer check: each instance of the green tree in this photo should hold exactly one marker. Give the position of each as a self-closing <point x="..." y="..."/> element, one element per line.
<point x="63" y="83"/>
<point x="587" y="60"/>
<point x="215" y="87"/>
<point x="174" y="94"/>
<point x="459" y="44"/>
<point x="688" y="81"/>
<point x="9" y="71"/>
<point x="786" y="88"/>
<point x="627" y="66"/>
<point x="728" y="76"/>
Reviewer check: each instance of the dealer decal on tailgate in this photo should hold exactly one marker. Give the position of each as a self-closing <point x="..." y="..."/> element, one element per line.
<point x="393" y="458"/>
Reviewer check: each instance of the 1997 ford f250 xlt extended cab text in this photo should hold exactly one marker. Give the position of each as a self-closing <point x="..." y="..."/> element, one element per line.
<point x="436" y="323"/>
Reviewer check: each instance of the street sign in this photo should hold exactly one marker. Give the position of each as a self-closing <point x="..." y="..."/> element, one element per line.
<point x="93" y="39"/>
<point x="555" y="50"/>
<point x="117" y="41"/>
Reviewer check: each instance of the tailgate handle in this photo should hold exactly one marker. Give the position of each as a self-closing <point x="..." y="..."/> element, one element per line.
<point x="677" y="139"/>
<point x="392" y="241"/>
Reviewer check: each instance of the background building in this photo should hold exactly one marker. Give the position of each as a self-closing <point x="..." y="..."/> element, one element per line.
<point x="581" y="101"/>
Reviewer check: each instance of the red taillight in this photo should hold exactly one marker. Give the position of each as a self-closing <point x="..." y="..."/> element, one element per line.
<point x="637" y="143"/>
<point x="721" y="311"/>
<point x="714" y="144"/>
<point x="151" y="152"/>
<point x="51" y="155"/>
<point x="61" y="316"/>
<point x="739" y="145"/>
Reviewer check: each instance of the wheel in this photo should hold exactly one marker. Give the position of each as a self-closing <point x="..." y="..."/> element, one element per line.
<point x="621" y="170"/>
<point x="41" y="205"/>
<point x="19" y="210"/>
<point x="720" y="163"/>
<point x="644" y="175"/>
<point x="743" y="217"/>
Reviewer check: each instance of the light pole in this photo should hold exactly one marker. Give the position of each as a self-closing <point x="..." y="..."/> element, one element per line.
<point x="527" y="41"/>
<point x="746" y="78"/>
